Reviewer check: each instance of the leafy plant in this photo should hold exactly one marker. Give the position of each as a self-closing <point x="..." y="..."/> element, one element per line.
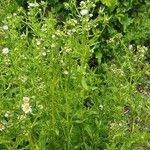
<point x="74" y="75"/>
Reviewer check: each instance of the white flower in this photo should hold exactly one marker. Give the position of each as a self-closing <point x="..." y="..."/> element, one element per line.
<point x="82" y="3"/>
<point x="42" y="2"/>
<point x="8" y="17"/>
<point x="61" y="61"/>
<point x="67" y="50"/>
<point x="101" y="106"/>
<point x="26" y="99"/>
<point x="44" y="53"/>
<point x="5" y="27"/>
<point x="58" y="32"/>
<point x="2" y="127"/>
<point x="53" y="45"/>
<point x="7" y="114"/>
<point x="5" y="50"/>
<point x="130" y="47"/>
<point x="94" y="5"/>
<point x="38" y="42"/>
<point x="65" y="72"/>
<point x="33" y="5"/>
<point x="14" y="14"/>
<point x="69" y="33"/>
<point x="74" y="30"/>
<point x="53" y="36"/>
<point x="91" y="15"/>
<point x="26" y="107"/>
<point x="84" y="12"/>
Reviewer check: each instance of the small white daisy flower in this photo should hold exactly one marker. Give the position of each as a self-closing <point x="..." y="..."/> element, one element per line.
<point x="8" y="17"/>
<point x="44" y="53"/>
<point x="74" y="30"/>
<point x="26" y="107"/>
<point x="84" y="12"/>
<point x="82" y="3"/>
<point x="53" y="36"/>
<point x="91" y="15"/>
<point x="130" y="47"/>
<point x="26" y="99"/>
<point x="7" y="114"/>
<point x="66" y="72"/>
<point x="5" y="27"/>
<point x="58" y="32"/>
<point x="101" y="106"/>
<point x="69" y="33"/>
<point x="33" y="5"/>
<point x="5" y="51"/>
<point x="53" y="45"/>
<point x="42" y="2"/>
<point x="14" y="14"/>
<point x="2" y="127"/>
<point x="94" y="5"/>
<point x="61" y="61"/>
<point x="38" y="42"/>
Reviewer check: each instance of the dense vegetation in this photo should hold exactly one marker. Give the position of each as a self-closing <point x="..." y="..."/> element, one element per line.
<point x="75" y="75"/>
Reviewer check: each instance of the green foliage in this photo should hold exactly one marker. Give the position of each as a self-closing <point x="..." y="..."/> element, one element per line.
<point x="74" y="75"/>
<point x="110" y="3"/>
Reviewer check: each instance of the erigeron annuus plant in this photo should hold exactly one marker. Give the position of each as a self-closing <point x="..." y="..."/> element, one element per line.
<point x="69" y="76"/>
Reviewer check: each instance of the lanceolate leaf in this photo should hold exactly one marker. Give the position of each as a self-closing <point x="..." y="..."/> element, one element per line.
<point x="84" y="84"/>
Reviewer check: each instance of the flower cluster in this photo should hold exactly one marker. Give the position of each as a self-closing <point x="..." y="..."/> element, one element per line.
<point x="5" y="51"/>
<point x="84" y="12"/>
<point x="85" y="6"/>
<point x="26" y="107"/>
<point x="5" y="27"/>
<point x="31" y="5"/>
<point x="140" y="52"/>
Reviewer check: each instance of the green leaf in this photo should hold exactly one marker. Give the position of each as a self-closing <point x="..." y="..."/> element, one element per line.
<point x="110" y="3"/>
<point x="88" y="130"/>
<point x="57" y="132"/>
<point x="124" y="20"/>
<point x="84" y="84"/>
<point x="99" y="56"/>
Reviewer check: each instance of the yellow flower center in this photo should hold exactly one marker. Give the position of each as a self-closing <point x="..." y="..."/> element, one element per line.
<point x="27" y="107"/>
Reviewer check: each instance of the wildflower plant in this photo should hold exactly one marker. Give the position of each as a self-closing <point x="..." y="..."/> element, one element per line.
<point x="74" y="75"/>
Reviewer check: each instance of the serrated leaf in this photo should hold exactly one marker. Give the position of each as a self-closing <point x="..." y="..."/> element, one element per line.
<point x="110" y="3"/>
